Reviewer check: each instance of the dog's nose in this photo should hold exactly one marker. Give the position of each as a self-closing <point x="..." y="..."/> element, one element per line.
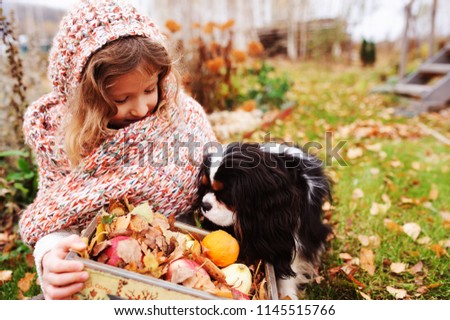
<point x="206" y="206"/>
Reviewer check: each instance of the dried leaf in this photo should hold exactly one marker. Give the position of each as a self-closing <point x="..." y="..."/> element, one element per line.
<point x="354" y="153"/>
<point x="122" y="222"/>
<point x="416" y="268"/>
<point x="364" y="295"/>
<point x="345" y="256"/>
<point x="376" y="147"/>
<point x="398" y="267"/>
<point x="392" y="226"/>
<point x="357" y="193"/>
<point x="439" y="250"/>
<point x="129" y="251"/>
<point x="364" y="240"/>
<point x="396" y="164"/>
<point x="424" y="240"/>
<point x="5" y="275"/>
<point x="416" y="166"/>
<point x="434" y="193"/>
<point x="25" y="283"/>
<point x="445" y="243"/>
<point x="374" y="171"/>
<point x="366" y="258"/>
<point x="397" y="293"/>
<point x="180" y="275"/>
<point x="412" y="229"/>
<point x="145" y="211"/>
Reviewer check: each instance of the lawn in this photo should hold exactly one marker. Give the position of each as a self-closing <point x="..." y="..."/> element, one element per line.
<point x="390" y="209"/>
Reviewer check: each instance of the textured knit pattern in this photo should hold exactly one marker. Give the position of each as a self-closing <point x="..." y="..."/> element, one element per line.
<point x="147" y="161"/>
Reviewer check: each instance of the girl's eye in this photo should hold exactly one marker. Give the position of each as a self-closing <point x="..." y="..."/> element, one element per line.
<point x="150" y="90"/>
<point x="121" y="101"/>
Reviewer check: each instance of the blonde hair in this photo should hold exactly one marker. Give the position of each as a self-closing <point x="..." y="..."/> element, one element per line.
<point x="90" y="108"/>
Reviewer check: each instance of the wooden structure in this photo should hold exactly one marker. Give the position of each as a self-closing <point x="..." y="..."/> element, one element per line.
<point x="430" y="83"/>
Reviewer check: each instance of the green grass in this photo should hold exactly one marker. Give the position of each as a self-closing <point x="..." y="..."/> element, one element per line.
<point x="330" y="99"/>
<point x="15" y="260"/>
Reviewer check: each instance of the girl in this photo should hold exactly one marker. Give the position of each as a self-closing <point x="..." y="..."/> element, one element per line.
<point x="111" y="127"/>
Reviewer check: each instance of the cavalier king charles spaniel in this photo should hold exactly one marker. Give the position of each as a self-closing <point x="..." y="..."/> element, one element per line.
<point x="271" y="196"/>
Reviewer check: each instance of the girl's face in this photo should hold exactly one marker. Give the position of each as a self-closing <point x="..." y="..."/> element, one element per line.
<point x="135" y="95"/>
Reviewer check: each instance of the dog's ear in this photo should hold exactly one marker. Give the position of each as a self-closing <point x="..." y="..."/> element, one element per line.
<point x="266" y="206"/>
<point x="315" y="188"/>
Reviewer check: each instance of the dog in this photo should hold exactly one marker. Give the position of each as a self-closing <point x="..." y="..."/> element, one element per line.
<point x="271" y="196"/>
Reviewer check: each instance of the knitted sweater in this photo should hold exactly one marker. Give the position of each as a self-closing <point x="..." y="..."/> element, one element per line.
<point x="155" y="160"/>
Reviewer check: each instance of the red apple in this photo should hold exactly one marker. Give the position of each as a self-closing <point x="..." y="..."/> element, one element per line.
<point x="111" y="251"/>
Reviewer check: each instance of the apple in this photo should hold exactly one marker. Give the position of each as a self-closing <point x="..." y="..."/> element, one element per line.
<point x="238" y="276"/>
<point x="111" y="251"/>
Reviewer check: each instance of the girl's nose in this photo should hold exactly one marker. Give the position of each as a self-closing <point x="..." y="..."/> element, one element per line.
<point x="139" y="110"/>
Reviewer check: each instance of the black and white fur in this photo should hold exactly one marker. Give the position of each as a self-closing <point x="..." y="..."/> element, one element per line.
<point x="271" y="195"/>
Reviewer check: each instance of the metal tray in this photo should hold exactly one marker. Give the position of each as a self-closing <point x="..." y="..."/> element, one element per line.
<point x="108" y="282"/>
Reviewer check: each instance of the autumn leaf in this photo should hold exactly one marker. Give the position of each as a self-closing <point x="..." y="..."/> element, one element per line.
<point x="354" y="153"/>
<point x="412" y="229"/>
<point x="416" y="166"/>
<point x="129" y="251"/>
<point x="392" y="225"/>
<point x="357" y="193"/>
<point x="397" y="293"/>
<point x="5" y="275"/>
<point x="366" y="259"/>
<point x="25" y="283"/>
<point x="364" y="295"/>
<point x="424" y="240"/>
<point x="439" y="250"/>
<point x="416" y="268"/>
<point x="398" y="267"/>
<point x="434" y="193"/>
<point x="345" y="256"/>
<point x="372" y="241"/>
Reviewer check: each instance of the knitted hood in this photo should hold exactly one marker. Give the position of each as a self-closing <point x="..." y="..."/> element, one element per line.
<point x="86" y="29"/>
<point x="143" y="161"/>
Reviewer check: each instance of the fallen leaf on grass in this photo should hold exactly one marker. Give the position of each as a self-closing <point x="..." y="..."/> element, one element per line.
<point x="374" y="171"/>
<point x="366" y="259"/>
<point x="25" y="283"/>
<point x="364" y="295"/>
<point x="29" y="259"/>
<point x="345" y="256"/>
<point x="398" y="267"/>
<point x="416" y="166"/>
<point x="445" y="243"/>
<point x="5" y="275"/>
<point x="434" y="193"/>
<point x="412" y="229"/>
<point x="396" y="164"/>
<point x="377" y="208"/>
<point x="369" y="241"/>
<point x="416" y="268"/>
<point x="376" y="147"/>
<point x="424" y="240"/>
<point x="439" y="250"/>
<point x="397" y="293"/>
<point x="392" y="225"/>
<point x="354" y="153"/>
<point x="357" y="193"/>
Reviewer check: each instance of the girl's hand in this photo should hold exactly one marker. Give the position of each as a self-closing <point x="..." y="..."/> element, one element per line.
<point x="62" y="278"/>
